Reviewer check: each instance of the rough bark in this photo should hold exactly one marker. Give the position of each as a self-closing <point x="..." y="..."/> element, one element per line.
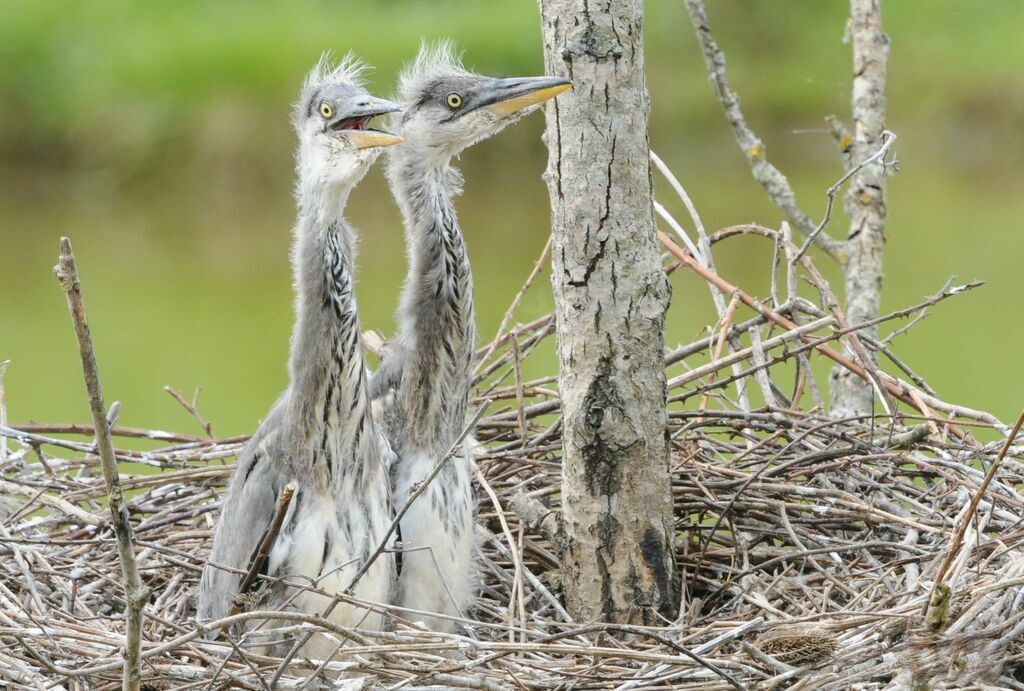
<point x="865" y="200"/>
<point x="610" y="297"/>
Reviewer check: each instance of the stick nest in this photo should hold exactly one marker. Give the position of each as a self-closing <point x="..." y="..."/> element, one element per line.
<point x="807" y="547"/>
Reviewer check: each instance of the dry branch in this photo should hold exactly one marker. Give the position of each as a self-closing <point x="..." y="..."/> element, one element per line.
<point x="136" y="592"/>
<point x="266" y="544"/>
<point x="770" y="177"/>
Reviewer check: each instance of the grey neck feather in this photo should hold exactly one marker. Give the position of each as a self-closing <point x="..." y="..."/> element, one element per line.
<point x="437" y="332"/>
<point x="328" y="422"/>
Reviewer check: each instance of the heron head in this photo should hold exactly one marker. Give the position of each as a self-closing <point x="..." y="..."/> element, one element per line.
<point x="333" y="117"/>
<point x="446" y="108"/>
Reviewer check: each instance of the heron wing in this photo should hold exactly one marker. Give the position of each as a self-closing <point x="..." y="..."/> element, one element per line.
<point x="245" y="517"/>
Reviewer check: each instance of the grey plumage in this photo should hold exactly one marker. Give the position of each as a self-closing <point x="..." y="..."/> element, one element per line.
<point x="422" y="387"/>
<point x="321" y="434"/>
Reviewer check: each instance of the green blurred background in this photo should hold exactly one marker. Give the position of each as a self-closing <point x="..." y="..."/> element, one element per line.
<point x="156" y="135"/>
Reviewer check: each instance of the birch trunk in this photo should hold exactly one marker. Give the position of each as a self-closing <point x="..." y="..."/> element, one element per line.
<point x="610" y="302"/>
<point x="865" y="201"/>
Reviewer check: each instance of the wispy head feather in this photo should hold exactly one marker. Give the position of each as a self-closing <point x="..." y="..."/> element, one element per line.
<point x="434" y="61"/>
<point x="349" y="69"/>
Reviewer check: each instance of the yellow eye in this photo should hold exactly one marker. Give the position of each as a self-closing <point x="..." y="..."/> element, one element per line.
<point x="454" y="100"/>
<point x="326" y="110"/>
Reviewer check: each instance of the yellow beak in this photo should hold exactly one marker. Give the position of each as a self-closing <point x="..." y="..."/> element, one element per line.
<point x="518" y="102"/>
<point x="364" y="139"/>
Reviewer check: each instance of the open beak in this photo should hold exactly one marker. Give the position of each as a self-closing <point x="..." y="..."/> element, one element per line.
<point x="355" y="123"/>
<point x="505" y="97"/>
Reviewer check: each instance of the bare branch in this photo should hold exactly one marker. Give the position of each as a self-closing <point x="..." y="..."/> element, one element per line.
<point x="136" y="593"/>
<point x="192" y="408"/>
<point x="3" y="410"/>
<point x="887" y="139"/>
<point x="866" y="196"/>
<point x="770" y="177"/>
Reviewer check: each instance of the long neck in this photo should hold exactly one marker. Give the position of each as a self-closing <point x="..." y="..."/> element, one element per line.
<point x="328" y="417"/>
<point x="437" y="329"/>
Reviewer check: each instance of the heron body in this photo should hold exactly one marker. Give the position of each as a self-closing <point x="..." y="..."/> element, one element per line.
<point x="422" y="387"/>
<point x="320" y="435"/>
<point x="427" y="407"/>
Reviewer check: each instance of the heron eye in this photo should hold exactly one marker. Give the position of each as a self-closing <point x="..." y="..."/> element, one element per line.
<point x="326" y="110"/>
<point x="454" y="100"/>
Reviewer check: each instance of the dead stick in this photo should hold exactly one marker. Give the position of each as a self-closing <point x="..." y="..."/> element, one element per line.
<point x="892" y="387"/>
<point x="3" y="411"/>
<point x="958" y="536"/>
<point x="136" y="593"/>
<point x="90" y="431"/>
<point x="263" y="550"/>
<point x="722" y="333"/>
<point x="192" y="409"/>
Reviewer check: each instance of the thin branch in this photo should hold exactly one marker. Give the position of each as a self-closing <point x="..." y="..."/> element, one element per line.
<point x="115" y="431"/>
<point x="136" y="593"/>
<point x="3" y="410"/>
<point x="510" y="312"/>
<point x="770" y="177"/>
<point x="192" y="408"/>
<point x="958" y="536"/>
<point x="263" y="550"/>
<point x="887" y="140"/>
<point x="891" y="385"/>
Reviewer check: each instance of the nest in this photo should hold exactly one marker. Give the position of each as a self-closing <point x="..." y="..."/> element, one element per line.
<point x="861" y="553"/>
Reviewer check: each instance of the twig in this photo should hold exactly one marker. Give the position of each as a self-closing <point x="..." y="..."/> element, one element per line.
<point x="722" y="332"/>
<point x="191" y="408"/>
<point x="520" y="394"/>
<point x="136" y="593"/>
<point x="266" y="543"/>
<point x="924" y="311"/>
<point x="704" y="255"/>
<point x="510" y="312"/>
<point x="90" y="431"/>
<point x="887" y="140"/>
<point x="957" y="538"/>
<point x="84" y="517"/>
<point x="892" y="387"/>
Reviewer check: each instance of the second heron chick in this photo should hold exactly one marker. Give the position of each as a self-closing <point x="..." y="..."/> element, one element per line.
<point x="320" y="437"/>
<point x="422" y="387"/>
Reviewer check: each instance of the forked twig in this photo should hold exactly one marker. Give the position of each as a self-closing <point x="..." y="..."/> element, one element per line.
<point x="192" y="408"/>
<point x="894" y="388"/>
<point x="770" y="177"/>
<point x="887" y="141"/>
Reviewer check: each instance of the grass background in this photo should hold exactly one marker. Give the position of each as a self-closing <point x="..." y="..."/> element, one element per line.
<point x="156" y="135"/>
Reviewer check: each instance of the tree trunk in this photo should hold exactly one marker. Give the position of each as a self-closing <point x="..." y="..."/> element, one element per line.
<point x="865" y="201"/>
<point x="610" y="302"/>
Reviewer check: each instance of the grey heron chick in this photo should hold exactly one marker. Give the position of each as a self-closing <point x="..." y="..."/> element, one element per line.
<point x="320" y="434"/>
<point x="422" y="386"/>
